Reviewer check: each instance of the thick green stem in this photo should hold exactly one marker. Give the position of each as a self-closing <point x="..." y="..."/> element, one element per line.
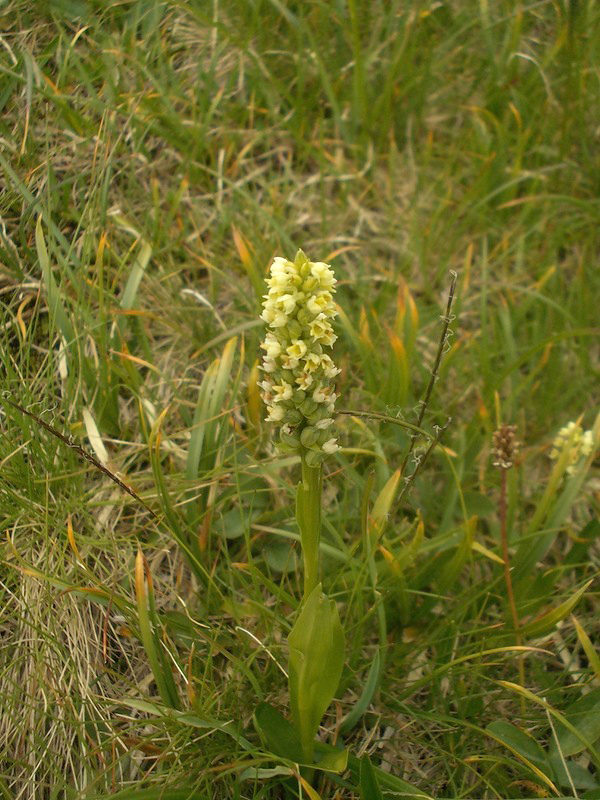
<point x="309" y="522"/>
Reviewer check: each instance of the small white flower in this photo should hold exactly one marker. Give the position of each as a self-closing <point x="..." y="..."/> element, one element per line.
<point x="322" y="394"/>
<point x="271" y="345"/>
<point x="312" y="362"/>
<point x="287" y="303"/>
<point x="329" y="368"/>
<point x="319" y="327"/>
<point x="587" y="443"/>
<point x="321" y="304"/>
<point x="329" y="338"/>
<point x="574" y="444"/>
<point x="289" y="363"/>
<point x="269" y="365"/>
<point x="324" y="274"/>
<point x="304" y="380"/>
<point x="330" y="446"/>
<point x="297" y="348"/>
<point x="276" y="413"/>
<point x="282" y="391"/>
<point x="274" y="317"/>
<point x="280" y="319"/>
<point x="324" y="423"/>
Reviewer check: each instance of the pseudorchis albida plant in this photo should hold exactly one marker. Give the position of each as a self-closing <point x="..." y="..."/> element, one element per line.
<point x="297" y="388"/>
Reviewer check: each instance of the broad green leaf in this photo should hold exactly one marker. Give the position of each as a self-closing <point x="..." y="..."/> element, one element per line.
<point x="520" y="742"/>
<point x="369" y="785"/>
<point x="281" y="738"/>
<point x="334" y="761"/>
<point x="524" y="747"/>
<point x="265" y="773"/>
<point x="592" y="794"/>
<point x="577" y="775"/>
<point x="584" y="716"/>
<point x="316" y="660"/>
<point x="560" y="718"/>
<point x="284" y="741"/>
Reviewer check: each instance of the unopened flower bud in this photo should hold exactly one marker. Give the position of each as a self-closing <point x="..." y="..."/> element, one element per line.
<point x="309" y="436"/>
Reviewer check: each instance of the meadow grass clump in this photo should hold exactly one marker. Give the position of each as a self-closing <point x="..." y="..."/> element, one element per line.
<point x="162" y="542"/>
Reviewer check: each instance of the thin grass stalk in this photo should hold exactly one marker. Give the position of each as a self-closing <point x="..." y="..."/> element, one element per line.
<point x="504" y="451"/>
<point x="502" y="506"/>
<point x="424" y="403"/>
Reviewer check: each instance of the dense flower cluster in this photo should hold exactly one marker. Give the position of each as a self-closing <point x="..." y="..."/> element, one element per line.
<point x="578" y="442"/>
<point x="297" y="387"/>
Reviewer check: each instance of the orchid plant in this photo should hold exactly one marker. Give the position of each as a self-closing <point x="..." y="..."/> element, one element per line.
<point x="298" y="391"/>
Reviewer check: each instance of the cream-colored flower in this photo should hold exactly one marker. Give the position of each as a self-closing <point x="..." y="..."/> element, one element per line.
<point x="312" y="362"/>
<point x="297" y="348"/>
<point x="272" y="345"/>
<point x="323" y="394"/>
<point x="321" y="304"/>
<point x="268" y="365"/>
<point x="282" y="391"/>
<point x="330" y="446"/>
<point x="324" y="274"/>
<point x="587" y="443"/>
<point x="304" y="380"/>
<point x="329" y="368"/>
<point x="329" y="338"/>
<point x="276" y="413"/>
<point x="320" y="327"/>
<point x="287" y="303"/>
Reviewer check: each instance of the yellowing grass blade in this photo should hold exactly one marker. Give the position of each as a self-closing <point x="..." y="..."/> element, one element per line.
<point x="383" y="504"/>
<point x="547" y="621"/>
<point x="588" y="647"/>
<point x="94" y="437"/>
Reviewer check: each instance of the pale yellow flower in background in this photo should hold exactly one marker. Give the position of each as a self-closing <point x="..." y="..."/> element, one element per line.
<point x="574" y="442"/>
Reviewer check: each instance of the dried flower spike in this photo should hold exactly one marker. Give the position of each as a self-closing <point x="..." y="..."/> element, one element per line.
<point x="505" y="447"/>
<point x="297" y="387"/>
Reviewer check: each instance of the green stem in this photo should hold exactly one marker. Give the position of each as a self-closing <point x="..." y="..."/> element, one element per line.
<point x="309" y="522"/>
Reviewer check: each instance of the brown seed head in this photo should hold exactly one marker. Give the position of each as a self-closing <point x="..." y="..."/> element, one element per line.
<point x="505" y="447"/>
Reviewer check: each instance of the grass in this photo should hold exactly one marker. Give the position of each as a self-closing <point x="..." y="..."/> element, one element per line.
<point x="155" y="157"/>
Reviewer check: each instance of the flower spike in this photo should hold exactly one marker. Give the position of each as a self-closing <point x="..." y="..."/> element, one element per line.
<point x="297" y="385"/>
